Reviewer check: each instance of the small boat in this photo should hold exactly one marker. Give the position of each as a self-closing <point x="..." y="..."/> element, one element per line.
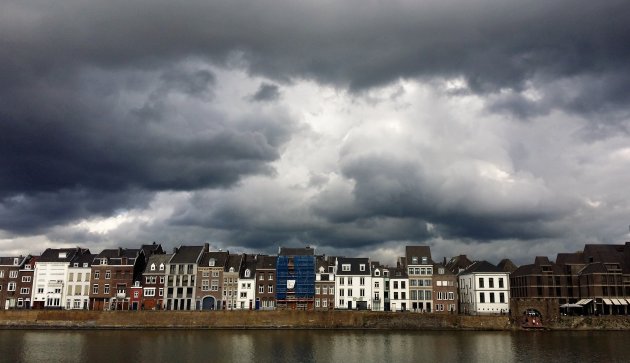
<point x="532" y="319"/>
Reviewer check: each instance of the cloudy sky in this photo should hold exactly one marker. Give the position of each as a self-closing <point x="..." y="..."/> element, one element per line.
<point x="481" y="127"/>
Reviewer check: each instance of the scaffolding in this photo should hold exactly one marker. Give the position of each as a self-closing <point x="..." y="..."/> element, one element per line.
<point x="295" y="281"/>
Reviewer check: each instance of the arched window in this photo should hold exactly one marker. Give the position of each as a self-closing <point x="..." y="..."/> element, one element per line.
<point x="247" y="273"/>
<point x="231" y="269"/>
<point x="161" y="267"/>
<point x="152" y="267"/>
<point x="377" y="273"/>
<point x="211" y="262"/>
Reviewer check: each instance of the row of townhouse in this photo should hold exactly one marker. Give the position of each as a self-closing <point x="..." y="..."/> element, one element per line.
<point x="594" y="281"/>
<point x="195" y="278"/>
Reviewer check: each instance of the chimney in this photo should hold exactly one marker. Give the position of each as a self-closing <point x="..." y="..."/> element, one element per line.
<point x="175" y="249"/>
<point x="206" y="247"/>
<point x="119" y="251"/>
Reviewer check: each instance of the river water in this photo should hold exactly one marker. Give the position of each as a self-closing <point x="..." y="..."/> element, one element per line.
<point x="311" y="346"/>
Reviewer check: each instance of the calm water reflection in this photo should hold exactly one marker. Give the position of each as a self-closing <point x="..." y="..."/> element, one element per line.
<point x="311" y="346"/>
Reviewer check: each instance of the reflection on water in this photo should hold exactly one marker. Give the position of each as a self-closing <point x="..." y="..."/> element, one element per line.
<point x="310" y="346"/>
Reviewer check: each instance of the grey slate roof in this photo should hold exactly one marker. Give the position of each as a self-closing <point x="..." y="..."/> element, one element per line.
<point x="398" y="273"/>
<point x="290" y="251"/>
<point x="187" y="254"/>
<point x="157" y="260"/>
<point x="265" y="262"/>
<point x="118" y="256"/>
<point x="52" y="254"/>
<point x="249" y="263"/>
<point x="354" y="266"/>
<point x="419" y="252"/>
<point x="234" y="261"/>
<point x="481" y="267"/>
<point x="220" y="259"/>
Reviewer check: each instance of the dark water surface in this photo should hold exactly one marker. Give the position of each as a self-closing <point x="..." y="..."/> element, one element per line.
<point x="311" y="346"/>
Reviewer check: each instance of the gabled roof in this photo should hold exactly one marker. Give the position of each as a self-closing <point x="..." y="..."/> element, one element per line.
<point x="508" y="266"/>
<point x="187" y="254"/>
<point x="576" y="258"/>
<point x="595" y="267"/>
<point x="458" y="263"/>
<point x="355" y="266"/>
<point x="10" y="261"/>
<point x="60" y="254"/>
<point x="398" y="273"/>
<point x="290" y="251"/>
<point x="438" y="266"/>
<point x="418" y="252"/>
<point x="118" y="256"/>
<point x="82" y="258"/>
<point x="481" y="267"/>
<point x="157" y="259"/>
<point x="220" y="259"/>
<point x="234" y="261"/>
<point x="249" y="263"/>
<point x="264" y="262"/>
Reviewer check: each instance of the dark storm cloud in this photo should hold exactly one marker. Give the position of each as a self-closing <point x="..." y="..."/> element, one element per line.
<point x="266" y="92"/>
<point x="358" y="44"/>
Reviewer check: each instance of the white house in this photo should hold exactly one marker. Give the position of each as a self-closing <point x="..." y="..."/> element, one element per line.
<point x="246" y="289"/>
<point x="78" y="282"/>
<point x="51" y="277"/>
<point x="398" y="289"/>
<point x="380" y="279"/>
<point x="484" y="289"/>
<point x="353" y="283"/>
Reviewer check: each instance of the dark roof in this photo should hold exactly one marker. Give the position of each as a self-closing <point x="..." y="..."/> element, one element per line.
<point x="118" y="256"/>
<point x="481" y="267"/>
<point x="398" y="273"/>
<point x="157" y="259"/>
<point x="81" y="258"/>
<point x="154" y="248"/>
<point x="9" y="261"/>
<point x="264" y="262"/>
<point x="187" y="254"/>
<point x="438" y="266"/>
<point x="220" y="259"/>
<point x="419" y="252"/>
<point x="249" y="263"/>
<point x="234" y="261"/>
<point x="595" y="267"/>
<point x="289" y="251"/>
<point x="576" y="258"/>
<point x="508" y="266"/>
<point x="354" y="266"/>
<point x="53" y="254"/>
<point x="458" y="263"/>
<point x="604" y="253"/>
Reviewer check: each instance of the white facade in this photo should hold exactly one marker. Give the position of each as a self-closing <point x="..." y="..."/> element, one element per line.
<point x="399" y="293"/>
<point x="484" y="293"/>
<point x="49" y="282"/>
<point x="379" y="292"/>
<point x="77" y="294"/>
<point x="353" y="285"/>
<point x="246" y="291"/>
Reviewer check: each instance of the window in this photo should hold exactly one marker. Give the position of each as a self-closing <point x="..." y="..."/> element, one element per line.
<point x="362" y="281"/>
<point x="1" y="273"/>
<point x="349" y="292"/>
<point x="270" y="288"/>
<point x="491" y="282"/>
<point x="395" y="284"/>
<point x="152" y="267"/>
<point x="247" y="273"/>
<point x="324" y="290"/>
<point x="205" y="285"/>
<point x="108" y="274"/>
<point x="501" y="282"/>
<point x="103" y="261"/>
<point x="13" y="274"/>
<point x="212" y="262"/>
<point x="97" y="275"/>
<point x="149" y="291"/>
<point x="492" y="297"/>
<point x="402" y="285"/>
<point x="26" y="279"/>
<point x="317" y="290"/>
<point x="25" y="290"/>
<point x="261" y="289"/>
<point x="481" y="282"/>
<point x="414" y="260"/>
<point x="28" y="267"/>
<point x="441" y="271"/>
<point x="205" y="274"/>
<point x="331" y="290"/>
<point x="270" y="276"/>
<point x="362" y="267"/>
<point x="161" y="291"/>
<point x="377" y="273"/>
<point x="136" y="294"/>
<point x="361" y="292"/>
<point x="106" y="289"/>
<point x="161" y="279"/>
<point x="325" y="303"/>
<point x="95" y="289"/>
<point x="376" y="284"/>
<point x="451" y="295"/>
<point x="482" y="298"/>
<point x="341" y="281"/>
<point x="161" y="267"/>
<point x="243" y="295"/>
<point x="501" y="298"/>
<point x="349" y="280"/>
<point x="261" y="276"/>
<point x="11" y="286"/>
<point x="76" y="264"/>
<point x="345" y="267"/>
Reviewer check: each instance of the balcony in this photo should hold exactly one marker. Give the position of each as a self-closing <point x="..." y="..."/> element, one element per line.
<point x="121" y="294"/>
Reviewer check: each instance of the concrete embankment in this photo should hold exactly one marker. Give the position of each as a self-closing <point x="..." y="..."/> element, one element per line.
<point x="49" y="319"/>
<point x="246" y="320"/>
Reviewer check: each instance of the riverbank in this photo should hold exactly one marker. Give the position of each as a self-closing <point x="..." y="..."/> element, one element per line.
<point x="60" y="319"/>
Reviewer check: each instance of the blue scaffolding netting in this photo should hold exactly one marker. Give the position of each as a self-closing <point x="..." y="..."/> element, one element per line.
<point x="300" y="269"/>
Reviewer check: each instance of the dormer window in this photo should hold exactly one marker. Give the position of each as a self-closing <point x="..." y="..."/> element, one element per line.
<point x="85" y="264"/>
<point x="231" y="269"/>
<point x="16" y="261"/>
<point x="62" y="255"/>
<point x="425" y="260"/>
<point x="161" y="267"/>
<point x="441" y="271"/>
<point x="321" y="269"/>
<point x="362" y="267"/>
<point x="377" y="273"/>
<point x="386" y="273"/>
<point x="212" y="262"/>
<point x="414" y="260"/>
<point x="247" y="273"/>
<point x="103" y="261"/>
<point x="152" y="267"/>
<point x="345" y="267"/>
<point x="76" y="264"/>
<point x="28" y="267"/>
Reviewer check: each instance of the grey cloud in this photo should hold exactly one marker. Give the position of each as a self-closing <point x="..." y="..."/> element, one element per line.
<point x="350" y="44"/>
<point x="266" y="93"/>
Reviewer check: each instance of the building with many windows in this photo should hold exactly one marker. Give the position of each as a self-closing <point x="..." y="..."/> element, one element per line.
<point x="12" y="294"/>
<point x="295" y="278"/>
<point x="266" y="282"/>
<point x="181" y="277"/>
<point x="484" y="289"/>
<point x="154" y="281"/>
<point x="210" y="280"/>
<point x="51" y="277"/>
<point x="353" y="288"/>
<point x="445" y="298"/>
<point x="78" y="283"/>
<point x="419" y="266"/>
<point x="398" y="289"/>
